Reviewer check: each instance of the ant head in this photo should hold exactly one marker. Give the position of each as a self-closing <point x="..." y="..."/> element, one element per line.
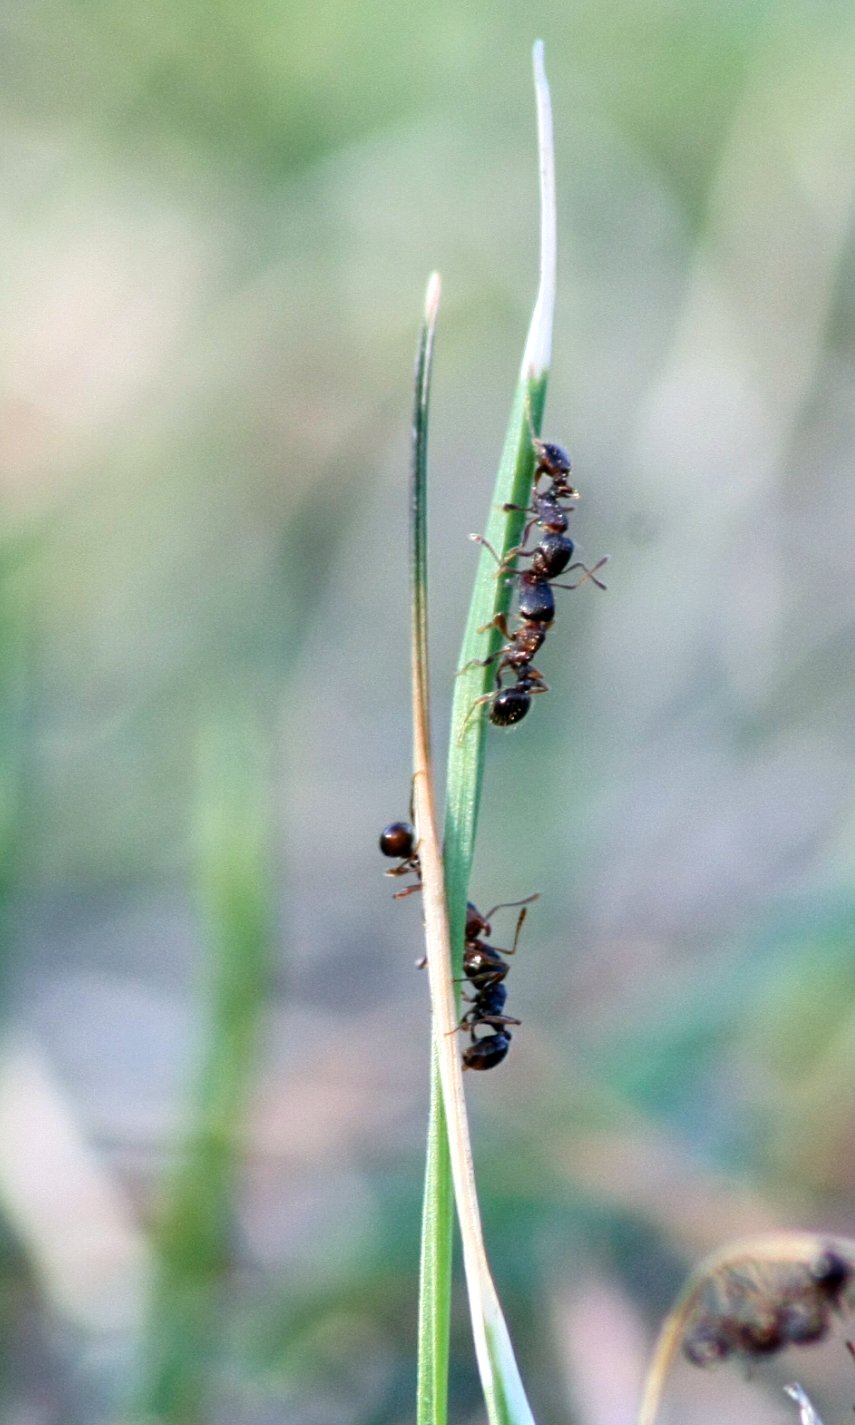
<point x="552" y="459"/>
<point x="475" y="923"/>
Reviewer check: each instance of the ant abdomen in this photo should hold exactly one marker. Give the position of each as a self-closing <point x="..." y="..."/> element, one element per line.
<point x="486" y="1053"/>
<point x="510" y="706"/>
<point x="398" y="839"/>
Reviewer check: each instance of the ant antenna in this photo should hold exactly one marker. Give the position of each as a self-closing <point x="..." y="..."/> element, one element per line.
<point x="509" y="905"/>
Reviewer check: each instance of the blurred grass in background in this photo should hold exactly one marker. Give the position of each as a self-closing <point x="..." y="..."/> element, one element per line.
<point x="217" y="225"/>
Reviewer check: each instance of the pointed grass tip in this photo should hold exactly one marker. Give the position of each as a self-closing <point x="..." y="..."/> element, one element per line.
<point x="433" y="293"/>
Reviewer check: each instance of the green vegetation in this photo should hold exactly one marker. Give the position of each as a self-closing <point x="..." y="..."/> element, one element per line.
<point x="217" y="222"/>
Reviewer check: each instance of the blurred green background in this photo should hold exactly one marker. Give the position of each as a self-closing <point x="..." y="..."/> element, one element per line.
<point x="217" y="225"/>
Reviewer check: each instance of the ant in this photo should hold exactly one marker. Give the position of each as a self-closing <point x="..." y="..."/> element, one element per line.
<point x="485" y="969"/>
<point x="757" y="1303"/>
<point x="536" y="608"/>
<point x="550" y="557"/>
<point x="398" y="841"/>
<point x="546" y="509"/>
<point x="483" y="963"/>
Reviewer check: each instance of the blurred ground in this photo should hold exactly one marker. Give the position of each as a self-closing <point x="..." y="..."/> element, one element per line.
<point x="217" y="226"/>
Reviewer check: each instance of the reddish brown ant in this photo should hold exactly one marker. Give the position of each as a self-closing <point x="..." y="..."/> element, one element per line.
<point x="754" y="1307"/>
<point x="398" y="841"/>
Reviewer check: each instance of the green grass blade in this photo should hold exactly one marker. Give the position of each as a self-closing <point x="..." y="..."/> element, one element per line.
<point x="503" y="1389"/>
<point x="491" y="595"/>
<point x="192" y="1244"/>
<point x="418" y="507"/>
<point x="435" y="1267"/>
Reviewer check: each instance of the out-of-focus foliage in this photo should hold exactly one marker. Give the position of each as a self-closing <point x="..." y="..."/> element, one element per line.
<point x="216" y="227"/>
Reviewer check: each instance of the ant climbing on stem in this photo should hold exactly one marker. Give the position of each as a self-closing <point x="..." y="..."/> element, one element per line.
<point x="486" y="970"/>
<point x="398" y="841"/>
<point x="549" y="557"/>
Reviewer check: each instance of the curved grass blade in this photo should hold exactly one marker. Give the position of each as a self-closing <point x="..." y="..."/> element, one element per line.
<point x="435" y="1268"/>
<point x="449" y="1153"/>
<point x="754" y="1259"/>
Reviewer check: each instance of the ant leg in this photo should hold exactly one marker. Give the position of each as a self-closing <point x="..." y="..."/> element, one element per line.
<point x="485" y="698"/>
<point x="519" y="550"/>
<point x="479" y="662"/>
<point x="497" y="1019"/>
<point x="403" y="868"/>
<point x="479" y="539"/>
<point x="464" y="1024"/>
<point x="589" y="574"/>
<point x="467" y="1024"/>
<point x="524" y="510"/>
<point x="520" y="919"/>
<point x="408" y="891"/>
<point x="484" y="979"/>
<point x="504" y="564"/>
<point x="501" y="623"/>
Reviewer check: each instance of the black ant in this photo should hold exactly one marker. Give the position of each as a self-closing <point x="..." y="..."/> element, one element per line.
<point x="536" y="608"/>
<point x="550" y="557"/>
<point x="398" y="841"/>
<point x="537" y="611"/>
<point x="485" y="969"/>
<point x="555" y="549"/>
<point x="483" y="963"/>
